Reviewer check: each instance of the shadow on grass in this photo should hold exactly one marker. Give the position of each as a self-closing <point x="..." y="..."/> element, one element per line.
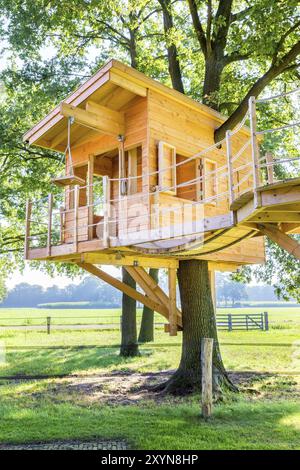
<point x="55" y="362"/>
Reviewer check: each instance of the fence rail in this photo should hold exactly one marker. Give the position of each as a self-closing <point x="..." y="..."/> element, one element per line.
<point x="229" y="322"/>
<point x="243" y="321"/>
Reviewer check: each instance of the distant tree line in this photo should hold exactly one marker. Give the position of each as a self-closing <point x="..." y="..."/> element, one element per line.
<point x="89" y="290"/>
<point x="102" y="295"/>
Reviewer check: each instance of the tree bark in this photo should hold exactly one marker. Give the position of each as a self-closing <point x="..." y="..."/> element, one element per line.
<point x="199" y="321"/>
<point x="129" y="345"/>
<point x="214" y="66"/>
<point x="146" y="334"/>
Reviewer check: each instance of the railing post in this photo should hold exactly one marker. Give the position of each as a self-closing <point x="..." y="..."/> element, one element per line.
<point x="270" y="167"/>
<point x="50" y="207"/>
<point x="27" y="228"/>
<point x="76" y="205"/>
<point x="90" y="196"/>
<point x="229" y="167"/>
<point x="206" y="376"/>
<point x="254" y="148"/>
<point x="106" y="209"/>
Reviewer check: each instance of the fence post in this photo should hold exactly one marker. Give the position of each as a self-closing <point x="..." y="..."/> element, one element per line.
<point x="254" y="148"/>
<point x="206" y="377"/>
<point x="247" y="327"/>
<point x="229" y="322"/>
<point x="48" y="325"/>
<point x="266" y="318"/>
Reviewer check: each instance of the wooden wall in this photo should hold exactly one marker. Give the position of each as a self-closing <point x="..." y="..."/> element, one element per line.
<point x="190" y="131"/>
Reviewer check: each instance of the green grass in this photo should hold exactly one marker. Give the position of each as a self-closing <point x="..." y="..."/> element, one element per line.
<point x="44" y="409"/>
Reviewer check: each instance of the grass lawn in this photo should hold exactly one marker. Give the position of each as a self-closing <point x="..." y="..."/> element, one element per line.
<point x="103" y="394"/>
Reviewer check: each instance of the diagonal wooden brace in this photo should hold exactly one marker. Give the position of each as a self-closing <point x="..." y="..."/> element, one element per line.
<point x="145" y="300"/>
<point x="281" y="238"/>
<point x="152" y="289"/>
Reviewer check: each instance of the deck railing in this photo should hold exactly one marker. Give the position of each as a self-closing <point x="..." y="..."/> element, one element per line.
<point x="245" y="170"/>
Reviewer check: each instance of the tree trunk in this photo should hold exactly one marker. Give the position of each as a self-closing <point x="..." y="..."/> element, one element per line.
<point x="129" y="345"/>
<point x="212" y="81"/>
<point x="199" y="321"/>
<point x="147" y="325"/>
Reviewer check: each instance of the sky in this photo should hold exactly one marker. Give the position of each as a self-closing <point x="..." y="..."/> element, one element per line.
<point x="34" y="276"/>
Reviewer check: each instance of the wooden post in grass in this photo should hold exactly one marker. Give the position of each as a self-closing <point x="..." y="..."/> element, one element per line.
<point x="206" y="370"/>
<point x="48" y="325"/>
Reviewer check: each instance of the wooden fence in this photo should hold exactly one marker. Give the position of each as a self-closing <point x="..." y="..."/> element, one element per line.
<point x="243" y="321"/>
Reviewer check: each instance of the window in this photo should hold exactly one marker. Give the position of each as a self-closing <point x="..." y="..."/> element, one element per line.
<point x="167" y="175"/>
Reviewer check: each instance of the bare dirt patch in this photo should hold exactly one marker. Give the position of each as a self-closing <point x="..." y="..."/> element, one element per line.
<point x="133" y="388"/>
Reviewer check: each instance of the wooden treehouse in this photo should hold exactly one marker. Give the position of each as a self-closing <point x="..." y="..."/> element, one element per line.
<point x="145" y="185"/>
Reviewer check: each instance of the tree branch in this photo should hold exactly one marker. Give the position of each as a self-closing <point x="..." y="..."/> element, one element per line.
<point x="198" y="26"/>
<point x="273" y="72"/>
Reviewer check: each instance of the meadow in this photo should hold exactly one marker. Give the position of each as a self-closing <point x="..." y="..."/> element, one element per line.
<point x="77" y="386"/>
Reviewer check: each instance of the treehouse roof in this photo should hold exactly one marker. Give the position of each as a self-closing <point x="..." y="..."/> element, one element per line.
<point x="111" y="88"/>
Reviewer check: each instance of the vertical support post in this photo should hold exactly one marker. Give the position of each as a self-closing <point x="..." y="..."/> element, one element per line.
<point x="254" y="148"/>
<point x="76" y="205"/>
<point x="156" y="221"/>
<point x="270" y="167"/>
<point x="50" y="208"/>
<point x="132" y="171"/>
<point x="229" y="168"/>
<point x="48" y="325"/>
<point x="106" y="193"/>
<point x="266" y="320"/>
<point x="229" y="322"/>
<point x="206" y="377"/>
<point x="122" y="172"/>
<point x="247" y="325"/>
<point x="172" y="302"/>
<point x="27" y="228"/>
<point x="90" y="196"/>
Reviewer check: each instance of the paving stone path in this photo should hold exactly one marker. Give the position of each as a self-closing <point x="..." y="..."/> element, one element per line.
<point x="69" y="445"/>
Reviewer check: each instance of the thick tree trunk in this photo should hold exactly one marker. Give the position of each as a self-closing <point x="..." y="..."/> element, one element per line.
<point x="198" y="321"/>
<point x="129" y="345"/>
<point x="147" y="325"/>
<point x="212" y="81"/>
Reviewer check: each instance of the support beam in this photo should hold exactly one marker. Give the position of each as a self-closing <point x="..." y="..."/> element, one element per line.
<point x="99" y="122"/>
<point x="152" y="289"/>
<point x="125" y="289"/>
<point x="276" y="217"/>
<point x="127" y="84"/>
<point x="104" y="111"/>
<point x="282" y="239"/>
<point x="137" y="260"/>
